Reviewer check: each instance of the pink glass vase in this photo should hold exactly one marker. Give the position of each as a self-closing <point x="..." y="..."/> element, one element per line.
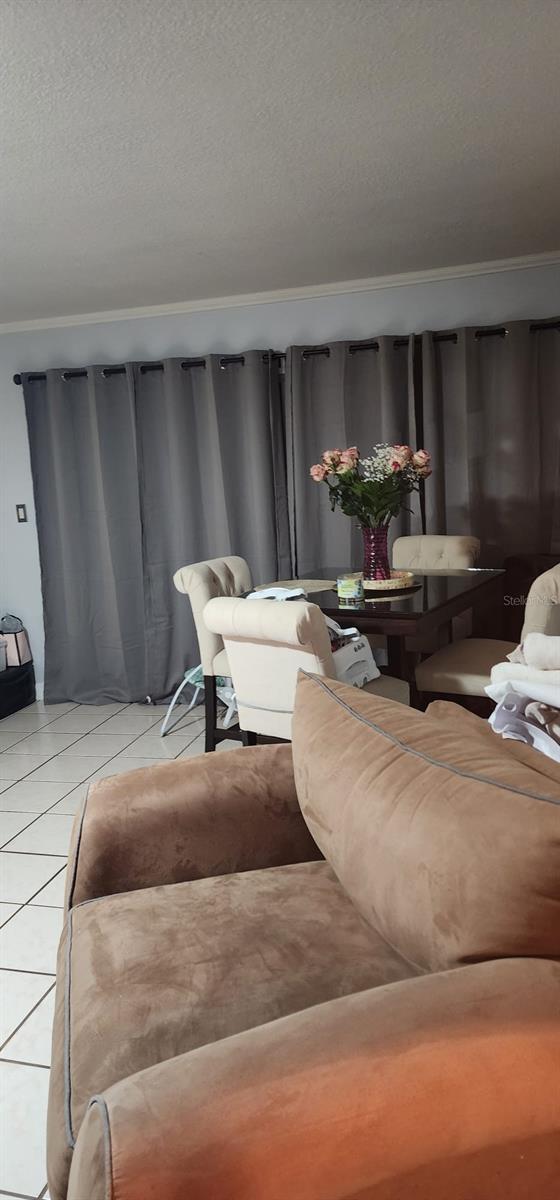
<point x="376" y="557"/>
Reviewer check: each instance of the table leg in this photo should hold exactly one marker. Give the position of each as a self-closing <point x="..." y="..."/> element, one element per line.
<point x="403" y="665"/>
<point x="397" y="657"/>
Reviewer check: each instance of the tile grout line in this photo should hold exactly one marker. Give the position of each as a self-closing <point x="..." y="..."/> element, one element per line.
<point x="26" y="971"/>
<point x="22" y="1195"/>
<point x="26" y="1018"/>
<point x="26" y="903"/>
<point x="18" y="1062"/>
<point x="56" y="907"/>
<point x="21" y="904"/>
<point x="33" y="853"/>
<point x="51" y="880"/>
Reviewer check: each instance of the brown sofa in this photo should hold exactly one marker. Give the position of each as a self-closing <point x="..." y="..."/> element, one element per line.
<point x="239" y="1018"/>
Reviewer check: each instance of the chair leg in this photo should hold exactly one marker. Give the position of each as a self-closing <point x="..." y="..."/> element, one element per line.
<point x="211" y="712"/>
<point x="248" y="738"/>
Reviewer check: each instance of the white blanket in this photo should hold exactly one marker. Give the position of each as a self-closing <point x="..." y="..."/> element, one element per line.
<point x="516" y="677"/>
<point x="528" y="699"/>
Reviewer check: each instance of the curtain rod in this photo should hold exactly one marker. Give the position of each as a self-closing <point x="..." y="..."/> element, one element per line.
<point x="226" y="360"/>
<point x="443" y="336"/>
<point x="279" y="356"/>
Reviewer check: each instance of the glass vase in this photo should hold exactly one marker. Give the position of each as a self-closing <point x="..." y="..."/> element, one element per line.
<point x="376" y="557"/>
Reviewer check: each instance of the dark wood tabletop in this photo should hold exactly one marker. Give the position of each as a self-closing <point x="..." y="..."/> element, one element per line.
<point x="433" y="600"/>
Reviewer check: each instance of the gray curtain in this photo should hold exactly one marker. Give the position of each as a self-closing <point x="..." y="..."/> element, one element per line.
<point x="212" y="481"/>
<point x="82" y="434"/>
<point x="491" y="417"/>
<point x="138" y="471"/>
<point x="350" y="393"/>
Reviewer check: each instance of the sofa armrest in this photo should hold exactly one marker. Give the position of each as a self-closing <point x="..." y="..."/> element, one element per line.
<point x="212" y="815"/>
<point x="436" y="1087"/>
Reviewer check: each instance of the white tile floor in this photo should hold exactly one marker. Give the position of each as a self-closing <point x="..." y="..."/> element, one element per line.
<point x="48" y="756"/>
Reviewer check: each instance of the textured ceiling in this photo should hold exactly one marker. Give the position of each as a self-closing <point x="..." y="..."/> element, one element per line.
<point x="156" y="151"/>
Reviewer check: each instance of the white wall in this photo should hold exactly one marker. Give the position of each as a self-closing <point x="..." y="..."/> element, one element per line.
<point x="480" y="299"/>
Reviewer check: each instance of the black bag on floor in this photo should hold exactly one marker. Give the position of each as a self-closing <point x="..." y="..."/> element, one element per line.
<point x="17" y="688"/>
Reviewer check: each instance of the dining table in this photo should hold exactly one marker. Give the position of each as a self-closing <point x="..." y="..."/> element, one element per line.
<point x="434" y="598"/>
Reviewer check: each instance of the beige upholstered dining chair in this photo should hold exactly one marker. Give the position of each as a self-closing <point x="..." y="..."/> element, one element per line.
<point x="427" y="552"/>
<point x="267" y="643"/>
<point x="201" y="582"/>
<point x="437" y="552"/>
<point x="463" y="668"/>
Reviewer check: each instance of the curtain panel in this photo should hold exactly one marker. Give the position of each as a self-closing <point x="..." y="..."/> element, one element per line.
<point x="138" y="471"/>
<point x="491" y="417"/>
<point x="346" y="393"/>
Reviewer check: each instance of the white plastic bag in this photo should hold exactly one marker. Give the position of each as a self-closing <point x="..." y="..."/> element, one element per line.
<point x="352" y="654"/>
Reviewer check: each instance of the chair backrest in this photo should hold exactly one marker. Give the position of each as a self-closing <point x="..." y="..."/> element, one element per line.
<point x="267" y="642"/>
<point x="201" y="582"/>
<point x="542" y="610"/>
<point x="431" y="551"/>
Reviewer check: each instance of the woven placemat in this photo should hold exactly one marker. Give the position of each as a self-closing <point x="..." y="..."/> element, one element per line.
<point x="399" y="594"/>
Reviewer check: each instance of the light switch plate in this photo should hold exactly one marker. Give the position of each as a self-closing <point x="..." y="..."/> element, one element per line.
<point x="21" y="513"/>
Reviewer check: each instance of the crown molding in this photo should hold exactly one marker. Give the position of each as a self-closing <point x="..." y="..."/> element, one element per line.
<point x="313" y="292"/>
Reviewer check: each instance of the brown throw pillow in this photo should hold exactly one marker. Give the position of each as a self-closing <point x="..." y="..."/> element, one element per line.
<point x="444" y="710"/>
<point x="447" y="844"/>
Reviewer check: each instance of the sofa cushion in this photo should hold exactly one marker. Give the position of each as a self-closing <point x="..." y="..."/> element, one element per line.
<point x="462" y="668"/>
<point x="147" y="975"/>
<point x="463" y="721"/>
<point x="448" y="845"/>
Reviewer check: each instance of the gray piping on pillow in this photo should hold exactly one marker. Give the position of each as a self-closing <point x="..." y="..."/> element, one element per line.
<point x="67" y="1067"/>
<point x="107" y="1143"/>
<point x="72" y="882"/>
<point x="434" y="762"/>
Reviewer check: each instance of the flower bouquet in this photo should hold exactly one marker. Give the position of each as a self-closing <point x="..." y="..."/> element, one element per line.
<point x="373" y="490"/>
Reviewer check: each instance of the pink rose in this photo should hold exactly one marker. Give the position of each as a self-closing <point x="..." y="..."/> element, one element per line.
<point x="396" y="465"/>
<point x="331" y="458"/>
<point x="423" y="472"/>
<point x="402" y="454"/>
<point x="319" y="472"/>
<point x="349" y="458"/>
<point x="421" y="458"/>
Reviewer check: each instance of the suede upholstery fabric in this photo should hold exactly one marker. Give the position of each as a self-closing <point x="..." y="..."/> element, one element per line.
<point x="187" y="820"/>
<point x="229" y="1027"/>
<point x="195" y="963"/>
<point x="466" y="722"/>
<point x="93" y="1171"/>
<point x="448" y="848"/>
<point x="438" y="1088"/>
